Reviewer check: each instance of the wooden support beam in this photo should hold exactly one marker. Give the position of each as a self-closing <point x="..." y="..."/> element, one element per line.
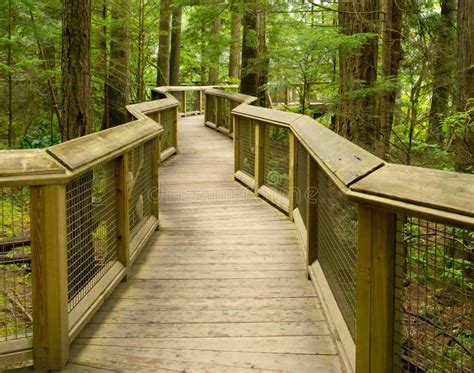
<point x="123" y="212"/>
<point x="201" y="94"/>
<point x="311" y="209"/>
<point x="259" y="155"/>
<point x="184" y="102"/>
<point x="292" y="174"/>
<point x="50" y="280"/>
<point x="219" y="108"/>
<point x="236" y="127"/>
<point x="375" y="290"/>
<point x="155" y="164"/>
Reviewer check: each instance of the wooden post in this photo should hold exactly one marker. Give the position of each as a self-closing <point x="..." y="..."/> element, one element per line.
<point x="155" y="164"/>
<point x="200" y="103"/>
<point x="175" y="130"/>
<point x="218" y="111"/>
<point x="292" y="174"/>
<point x="311" y="209"/>
<point x="206" y="112"/>
<point x="184" y="103"/>
<point x="123" y="212"/>
<point x="50" y="280"/>
<point x="236" y="127"/>
<point x="375" y="290"/>
<point x="259" y="156"/>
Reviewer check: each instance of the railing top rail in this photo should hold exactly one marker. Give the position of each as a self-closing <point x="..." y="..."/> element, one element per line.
<point x="234" y="96"/>
<point x="28" y="162"/>
<point x="140" y="110"/>
<point x="446" y="196"/>
<point x="164" y="89"/>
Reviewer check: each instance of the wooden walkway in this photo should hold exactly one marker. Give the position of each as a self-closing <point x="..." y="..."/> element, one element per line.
<point x="221" y="287"/>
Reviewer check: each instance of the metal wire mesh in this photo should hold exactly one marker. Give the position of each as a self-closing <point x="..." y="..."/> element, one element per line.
<point x="246" y="146"/>
<point x="211" y="109"/>
<point x="276" y="158"/>
<point x="139" y="186"/>
<point x="302" y="181"/>
<point x="179" y="96"/>
<point x="224" y="107"/>
<point x="91" y="213"/>
<point x="192" y="101"/>
<point x="168" y="122"/>
<point x="337" y="245"/>
<point x="433" y="297"/>
<point x="15" y="264"/>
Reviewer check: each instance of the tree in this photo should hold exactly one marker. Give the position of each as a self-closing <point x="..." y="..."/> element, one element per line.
<point x="464" y="132"/>
<point x="234" y="53"/>
<point x="175" y="54"/>
<point x="249" y="74"/>
<point x="163" y="76"/>
<point x="215" y="61"/>
<point x="76" y="67"/>
<point x="443" y="68"/>
<point x="117" y="84"/>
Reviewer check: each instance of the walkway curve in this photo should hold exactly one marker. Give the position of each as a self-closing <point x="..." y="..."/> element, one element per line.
<point x="222" y="286"/>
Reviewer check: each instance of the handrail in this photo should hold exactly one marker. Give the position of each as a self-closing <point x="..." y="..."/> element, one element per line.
<point x="89" y="205"/>
<point x="367" y="229"/>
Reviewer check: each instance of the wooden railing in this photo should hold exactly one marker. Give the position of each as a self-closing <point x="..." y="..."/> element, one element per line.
<point x="191" y="98"/>
<point x="388" y="246"/>
<point x="89" y="206"/>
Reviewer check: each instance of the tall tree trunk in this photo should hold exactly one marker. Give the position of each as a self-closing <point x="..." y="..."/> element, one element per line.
<point x="203" y="53"/>
<point x="175" y="57"/>
<point x="76" y="68"/>
<point x="214" y="67"/>
<point x="263" y="57"/>
<point x="10" y="73"/>
<point x="464" y="143"/>
<point x="163" y="76"/>
<point x="234" y="53"/>
<point x="391" y="53"/>
<point x="140" y="52"/>
<point x="118" y="80"/>
<point x="443" y="66"/>
<point x="249" y="75"/>
<point x="356" y="115"/>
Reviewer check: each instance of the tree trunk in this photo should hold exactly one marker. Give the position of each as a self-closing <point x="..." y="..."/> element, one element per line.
<point x="163" y="77"/>
<point x="443" y="66"/>
<point x="234" y="53"/>
<point x="118" y="80"/>
<point x="391" y="53"/>
<point x="140" y="53"/>
<point x="175" y="58"/>
<point x="355" y="114"/>
<point x="76" y="68"/>
<point x="263" y="59"/>
<point x="249" y="80"/>
<point x="203" y="52"/>
<point x="10" y="74"/>
<point x="214" y="67"/>
<point x="464" y="143"/>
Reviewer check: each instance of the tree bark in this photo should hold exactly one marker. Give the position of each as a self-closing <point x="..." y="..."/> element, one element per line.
<point x="234" y="53"/>
<point x="117" y="85"/>
<point x="76" y="68"/>
<point x="140" y="52"/>
<point x="175" y="57"/>
<point x="249" y="74"/>
<point x="263" y="58"/>
<point x="356" y="112"/>
<point x="214" y="66"/>
<point x="443" y="66"/>
<point x="10" y="74"/>
<point x="464" y="143"/>
<point x="163" y="76"/>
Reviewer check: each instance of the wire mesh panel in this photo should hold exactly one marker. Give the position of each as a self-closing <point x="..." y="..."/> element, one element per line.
<point x="224" y="113"/>
<point x="179" y="96"/>
<point x="433" y="297"/>
<point x="140" y="186"/>
<point x="211" y="109"/>
<point x="91" y="213"/>
<point x="276" y="156"/>
<point x="302" y="181"/>
<point x="168" y="122"/>
<point x="192" y="101"/>
<point x="337" y="245"/>
<point x="15" y="264"/>
<point x="246" y="146"/>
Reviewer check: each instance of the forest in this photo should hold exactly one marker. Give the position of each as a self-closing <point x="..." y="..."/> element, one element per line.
<point x="393" y="76"/>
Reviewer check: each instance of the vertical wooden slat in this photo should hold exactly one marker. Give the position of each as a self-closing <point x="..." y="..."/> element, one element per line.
<point x="259" y="156"/>
<point x="219" y="106"/>
<point x="50" y="280"/>
<point x="311" y="210"/>
<point x="375" y="290"/>
<point x="292" y="174"/>
<point x="183" y="93"/>
<point x="200" y="103"/>
<point x="175" y="130"/>
<point x="123" y="212"/>
<point x="155" y="164"/>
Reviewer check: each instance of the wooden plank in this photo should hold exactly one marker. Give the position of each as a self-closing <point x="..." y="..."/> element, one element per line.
<point x="123" y="252"/>
<point x="274" y="197"/>
<point x="292" y="174"/>
<point x="282" y="118"/>
<point x="28" y="162"/>
<point x="446" y="191"/>
<point x="49" y="269"/>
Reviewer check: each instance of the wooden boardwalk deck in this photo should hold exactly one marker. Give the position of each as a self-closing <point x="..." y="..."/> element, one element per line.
<point x="220" y="288"/>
